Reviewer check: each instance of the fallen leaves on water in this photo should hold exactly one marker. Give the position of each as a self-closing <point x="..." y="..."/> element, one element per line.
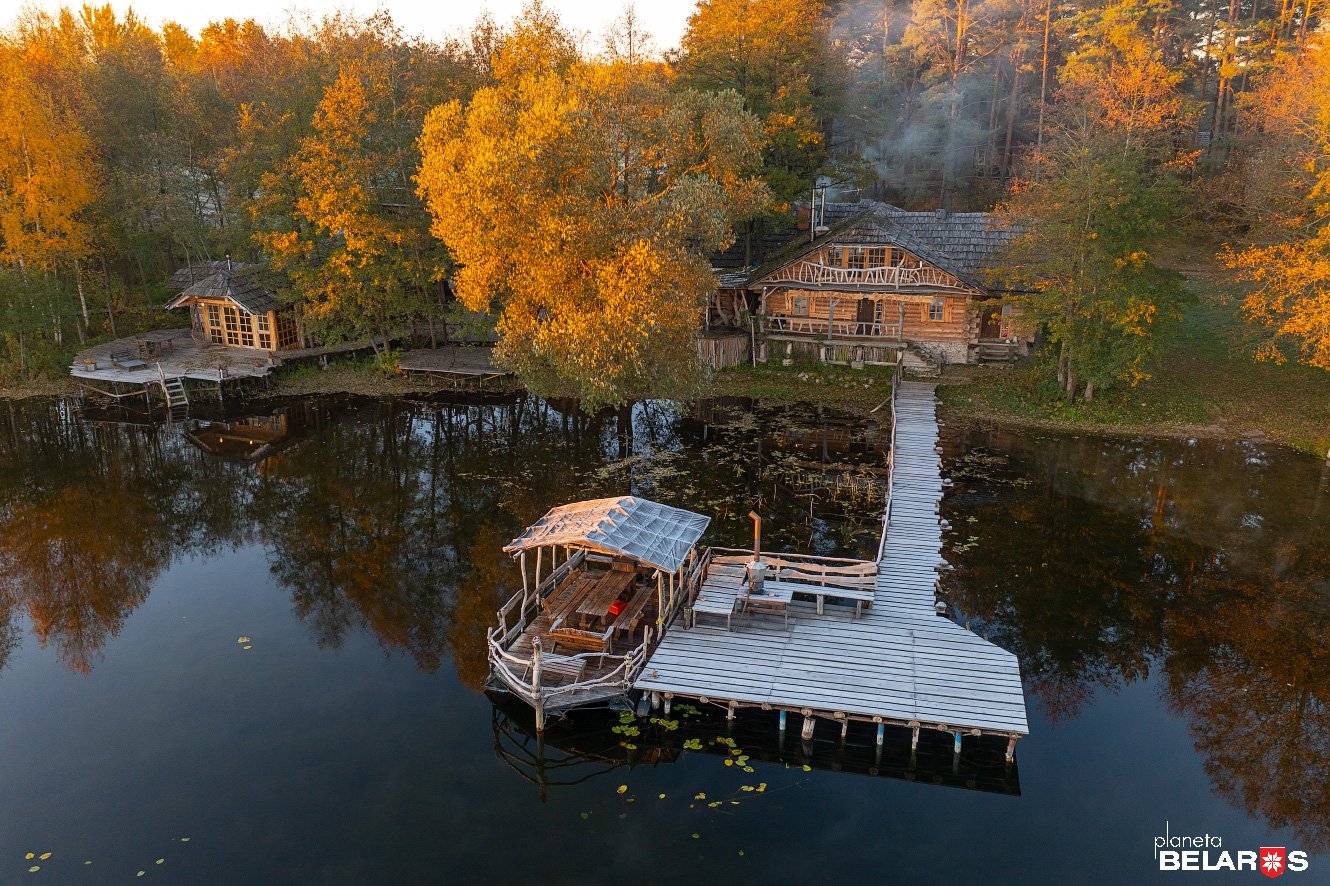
<point x="661" y="797"/>
<point x="34" y="869"/>
<point x="700" y="796"/>
<point x="140" y="873"/>
<point x="623" y="788"/>
<point x="696" y="836"/>
<point x="242" y="639"/>
<point x="807" y="768"/>
<point x="30" y="856"/>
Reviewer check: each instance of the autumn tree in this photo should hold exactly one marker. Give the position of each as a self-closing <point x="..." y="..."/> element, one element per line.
<point x="1095" y="202"/>
<point x="342" y="218"/>
<point x="1287" y="262"/>
<point x="580" y="199"/>
<point x="777" y="56"/>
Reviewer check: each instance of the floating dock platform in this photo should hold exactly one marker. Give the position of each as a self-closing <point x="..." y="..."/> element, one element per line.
<point x="899" y="663"/>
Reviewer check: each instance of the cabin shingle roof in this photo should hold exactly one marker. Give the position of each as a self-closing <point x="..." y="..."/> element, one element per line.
<point x="251" y="286"/>
<point x="961" y="243"/>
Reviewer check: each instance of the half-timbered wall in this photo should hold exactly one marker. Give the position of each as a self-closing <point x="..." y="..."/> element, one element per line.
<point x="937" y="317"/>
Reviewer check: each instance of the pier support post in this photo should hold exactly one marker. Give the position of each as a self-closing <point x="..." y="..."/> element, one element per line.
<point x="957" y="748"/>
<point x="809" y="723"/>
<point x="1011" y="749"/>
<point x="881" y="733"/>
<point x="655" y="701"/>
<point x="535" y="686"/>
<point x="844" y="728"/>
<point x="667" y="703"/>
<point x="782" y="725"/>
<point x="729" y="711"/>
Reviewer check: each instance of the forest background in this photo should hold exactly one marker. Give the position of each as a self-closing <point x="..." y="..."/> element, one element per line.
<point x="369" y="168"/>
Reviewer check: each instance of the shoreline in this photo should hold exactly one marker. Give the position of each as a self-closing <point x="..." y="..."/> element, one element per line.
<point x="858" y="392"/>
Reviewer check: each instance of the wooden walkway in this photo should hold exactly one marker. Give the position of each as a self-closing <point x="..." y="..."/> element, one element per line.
<point x="457" y="364"/>
<point x="900" y="664"/>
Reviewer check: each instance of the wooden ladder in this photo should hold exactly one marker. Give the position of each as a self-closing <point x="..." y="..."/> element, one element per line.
<point x="174" y="389"/>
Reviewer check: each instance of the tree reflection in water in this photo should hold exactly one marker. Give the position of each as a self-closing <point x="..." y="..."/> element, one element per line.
<point x="388" y="517"/>
<point x="1096" y="560"/>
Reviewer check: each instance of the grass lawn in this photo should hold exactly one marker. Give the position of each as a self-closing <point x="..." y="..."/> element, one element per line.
<point x="853" y="390"/>
<point x="1206" y="383"/>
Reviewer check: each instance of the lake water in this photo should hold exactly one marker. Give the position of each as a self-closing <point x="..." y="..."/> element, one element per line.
<point x="254" y="650"/>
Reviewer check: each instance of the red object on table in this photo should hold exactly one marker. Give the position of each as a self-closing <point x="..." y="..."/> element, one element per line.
<point x="618" y="606"/>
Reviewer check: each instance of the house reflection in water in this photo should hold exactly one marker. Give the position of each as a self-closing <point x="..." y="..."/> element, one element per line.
<point x="251" y="439"/>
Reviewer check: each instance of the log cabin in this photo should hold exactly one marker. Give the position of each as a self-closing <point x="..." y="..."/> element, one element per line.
<point x="235" y="304"/>
<point x="880" y="284"/>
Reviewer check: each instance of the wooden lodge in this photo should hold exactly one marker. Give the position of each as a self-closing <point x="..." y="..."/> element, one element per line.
<point x="879" y="284"/>
<point x="235" y="305"/>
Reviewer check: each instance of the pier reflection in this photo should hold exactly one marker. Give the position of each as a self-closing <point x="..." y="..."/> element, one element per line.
<point x="582" y="747"/>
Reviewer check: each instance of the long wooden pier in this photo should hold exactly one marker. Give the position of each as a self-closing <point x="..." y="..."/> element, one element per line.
<point x="900" y="664"/>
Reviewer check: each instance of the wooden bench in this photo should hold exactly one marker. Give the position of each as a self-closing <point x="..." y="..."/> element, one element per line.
<point x="577" y="638"/>
<point x="127" y="360"/>
<point x="859" y="595"/>
<point x="768" y="602"/>
<point x="714" y="601"/>
<point x="560" y="665"/>
<point x="632" y="613"/>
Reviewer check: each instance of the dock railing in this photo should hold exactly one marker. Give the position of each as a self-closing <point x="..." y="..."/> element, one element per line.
<point x="891" y="459"/>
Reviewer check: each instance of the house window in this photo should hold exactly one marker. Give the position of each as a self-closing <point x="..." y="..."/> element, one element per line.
<point x="215" y="324"/>
<point x="937" y="309"/>
<point x="835" y="257"/>
<point x="232" y="325"/>
<point x="799" y="305"/>
<point x="286" y="330"/>
<point x="857" y="258"/>
<point x="877" y="256"/>
<point x="247" y="330"/>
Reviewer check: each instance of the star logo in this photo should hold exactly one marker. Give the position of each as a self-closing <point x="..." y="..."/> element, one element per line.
<point x="1272" y="860"/>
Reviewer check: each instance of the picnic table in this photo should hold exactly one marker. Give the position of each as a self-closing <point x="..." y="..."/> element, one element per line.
<point x="600" y="591"/>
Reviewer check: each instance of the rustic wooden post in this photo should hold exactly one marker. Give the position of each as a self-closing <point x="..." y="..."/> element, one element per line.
<point x="809" y="724"/>
<point x="669" y="696"/>
<point x="521" y="565"/>
<point x="1011" y="748"/>
<point x="535" y="685"/>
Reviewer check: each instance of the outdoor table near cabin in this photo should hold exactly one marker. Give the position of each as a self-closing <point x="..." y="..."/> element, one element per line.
<point x="600" y="593"/>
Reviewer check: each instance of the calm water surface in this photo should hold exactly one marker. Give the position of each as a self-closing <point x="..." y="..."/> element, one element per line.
<point x="267" y="636"/>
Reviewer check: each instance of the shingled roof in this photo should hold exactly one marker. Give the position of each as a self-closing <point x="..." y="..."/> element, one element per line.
<point x="251" y="286"/>
<point x="961" y="243"/>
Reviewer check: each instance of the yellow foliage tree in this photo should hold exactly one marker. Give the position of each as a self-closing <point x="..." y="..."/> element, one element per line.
<point x="1289" y="185"/>
<point x="581" y="199"/>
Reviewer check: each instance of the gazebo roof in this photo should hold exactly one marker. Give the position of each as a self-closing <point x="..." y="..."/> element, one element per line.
<point x="650" y="533"/>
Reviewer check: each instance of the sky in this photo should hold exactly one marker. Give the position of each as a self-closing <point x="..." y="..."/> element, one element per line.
<point x="664" y="19"/>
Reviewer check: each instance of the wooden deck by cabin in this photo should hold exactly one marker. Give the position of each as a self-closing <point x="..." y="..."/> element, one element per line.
<point x="134" y="365"/>
<point x="899" y="664"/>
<point x="456" y="364"/>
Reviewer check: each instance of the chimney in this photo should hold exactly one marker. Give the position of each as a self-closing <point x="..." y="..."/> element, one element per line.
<point x="228" y="261"/>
